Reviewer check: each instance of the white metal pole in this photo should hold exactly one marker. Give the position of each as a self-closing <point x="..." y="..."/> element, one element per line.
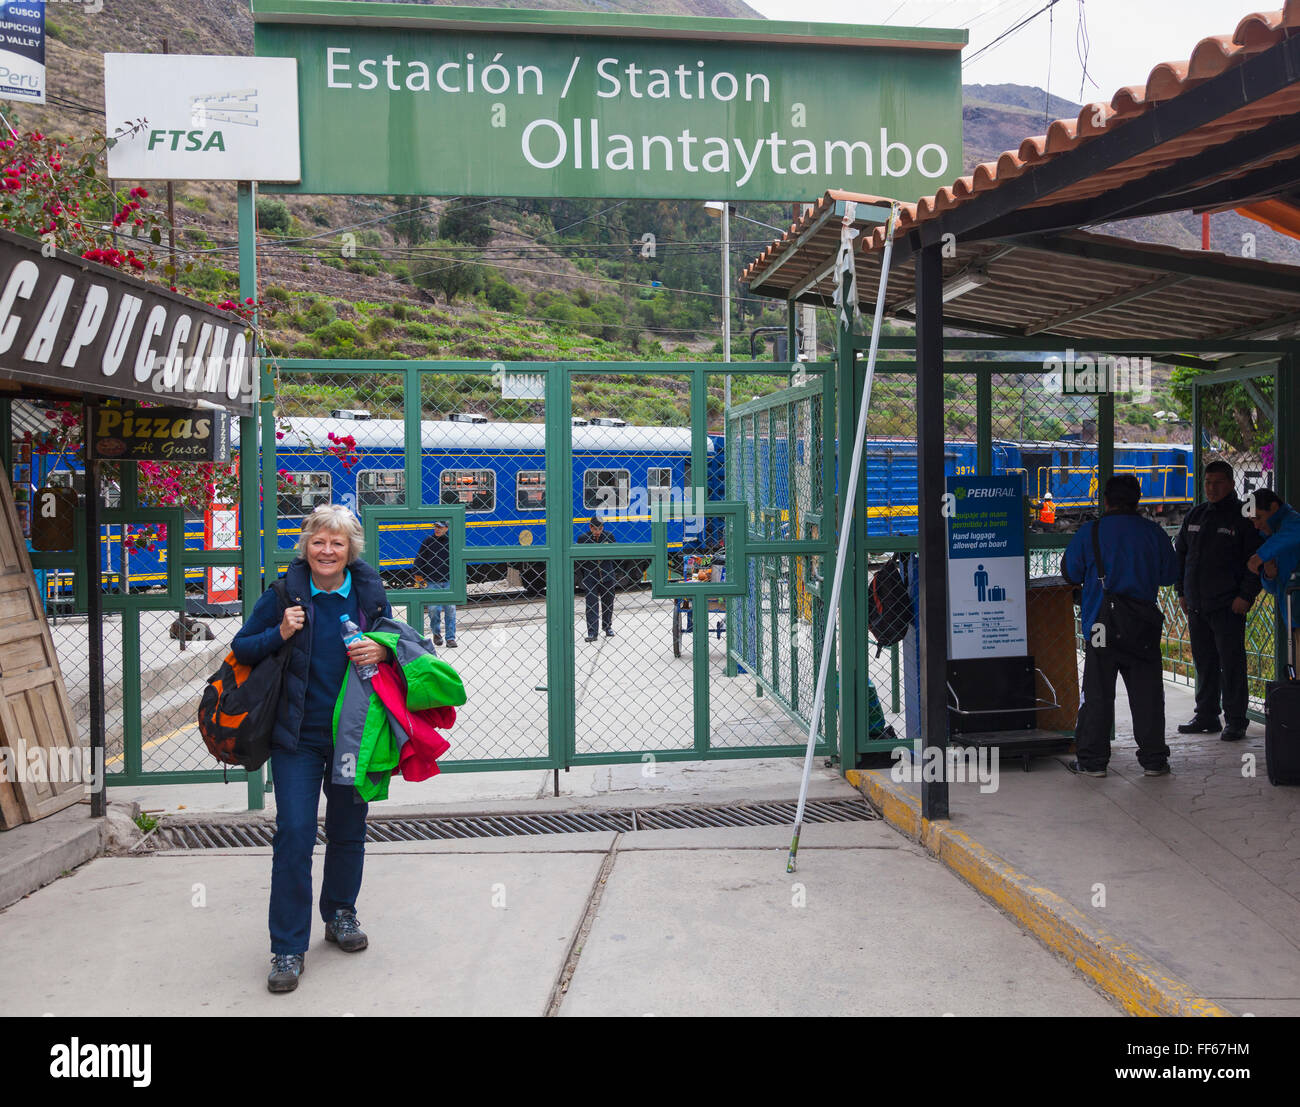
<point x="849" y="493"/>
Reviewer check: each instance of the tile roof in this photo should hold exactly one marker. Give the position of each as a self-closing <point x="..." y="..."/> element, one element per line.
<point x="1211" y="57"/>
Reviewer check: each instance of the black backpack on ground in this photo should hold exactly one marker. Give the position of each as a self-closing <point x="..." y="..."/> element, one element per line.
<point x="889" y="599"/>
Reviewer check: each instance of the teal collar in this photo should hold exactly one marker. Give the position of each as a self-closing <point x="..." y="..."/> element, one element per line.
<point x="344" y="589"/>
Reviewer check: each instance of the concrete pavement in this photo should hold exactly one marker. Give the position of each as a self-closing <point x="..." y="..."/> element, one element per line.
<point x="658" y="923"/>
<point x="1176" y="893"/>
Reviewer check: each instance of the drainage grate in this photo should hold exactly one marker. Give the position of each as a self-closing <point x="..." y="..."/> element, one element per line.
<point x="227" y="835"/>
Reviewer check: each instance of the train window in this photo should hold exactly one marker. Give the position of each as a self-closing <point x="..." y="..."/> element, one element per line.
<point x="609" y="489"/>
<point x="381" y="487"/>
<point x="530" y="490"/>
<point x="475" y="488"/>
<point x="659" y="485"/>
<point x="308" y="492"/>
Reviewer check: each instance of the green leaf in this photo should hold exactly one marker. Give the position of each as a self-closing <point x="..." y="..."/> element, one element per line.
<point x="155" y="236"/>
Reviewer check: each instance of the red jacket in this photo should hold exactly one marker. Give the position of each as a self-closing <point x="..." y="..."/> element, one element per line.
<point x="418" y="759"/>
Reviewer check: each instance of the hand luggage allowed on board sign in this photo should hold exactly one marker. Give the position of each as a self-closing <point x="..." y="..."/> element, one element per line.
<point x="1282" y="715"/>
<point x="997" y="594"/>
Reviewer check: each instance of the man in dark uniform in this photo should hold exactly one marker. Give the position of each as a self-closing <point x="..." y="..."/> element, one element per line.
<point x="1216" y="590"/>
<point x="598" y="582"/>
<point x="1138" y="559"/>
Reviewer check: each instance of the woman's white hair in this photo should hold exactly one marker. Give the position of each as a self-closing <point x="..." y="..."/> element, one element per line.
<point x="336" y="519"/>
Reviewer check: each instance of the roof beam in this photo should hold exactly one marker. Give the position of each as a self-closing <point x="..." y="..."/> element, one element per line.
<point x="1119" y="298"/>
<point x="793" y="250"/>
<point x="1274" y="278"/>
<point x="1257" y="77"/>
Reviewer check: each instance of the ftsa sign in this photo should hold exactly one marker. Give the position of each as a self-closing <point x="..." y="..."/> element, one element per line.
<point x="186" y="140"/>
<point x="194" y="117"/>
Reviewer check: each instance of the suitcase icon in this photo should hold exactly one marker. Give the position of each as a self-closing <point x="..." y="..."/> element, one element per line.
<point x="997" y="593"/>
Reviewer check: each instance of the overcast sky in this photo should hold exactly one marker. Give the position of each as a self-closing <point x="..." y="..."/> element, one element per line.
<point x="1127" y="37"/>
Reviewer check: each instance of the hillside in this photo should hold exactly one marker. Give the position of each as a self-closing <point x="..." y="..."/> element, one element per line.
<point x="543" y="279"/>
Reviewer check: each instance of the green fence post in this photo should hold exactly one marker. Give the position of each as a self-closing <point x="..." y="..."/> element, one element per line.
<point x="560" y="706"/>
<point x="700" y="614"/>
<point x="827" y="428"/>
<point x="249" y="513"/>
<point x="851" y="625"/>
<point x="984" y="421"/>
<point x="795" y="531"/>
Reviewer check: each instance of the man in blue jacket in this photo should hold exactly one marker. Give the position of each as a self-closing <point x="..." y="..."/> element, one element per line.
<point x="1137" y="558"/>
<point x="1279" y="554"/>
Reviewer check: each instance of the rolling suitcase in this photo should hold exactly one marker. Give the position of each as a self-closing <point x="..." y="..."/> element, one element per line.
<point x="1282" y="714"/>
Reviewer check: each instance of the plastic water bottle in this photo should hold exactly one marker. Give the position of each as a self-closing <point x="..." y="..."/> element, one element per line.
<point x="352" y="633"/>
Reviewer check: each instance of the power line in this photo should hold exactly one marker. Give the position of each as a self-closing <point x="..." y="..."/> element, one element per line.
<point x="1010" y="31"/>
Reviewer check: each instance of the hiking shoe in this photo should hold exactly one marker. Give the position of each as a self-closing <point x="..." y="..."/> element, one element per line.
<point x="1079" y="770"/>
<point x="1233" y="733"/>
<point x="286" y="968"/>
<point x="451" y="643"/>
<point x="437" y="639"/>
<point x="1159" y="770"/>
<point x="344" y="930"/>
<point x="609" y="634"/>
<point x="1197" y="725"/>
<point x="591" y="637"/>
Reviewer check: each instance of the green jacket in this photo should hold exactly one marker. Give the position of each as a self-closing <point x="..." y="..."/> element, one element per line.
<point x="367" y="741"/>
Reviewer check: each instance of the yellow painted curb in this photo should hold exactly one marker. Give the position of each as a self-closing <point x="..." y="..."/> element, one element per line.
<point x="1142" y="986"/>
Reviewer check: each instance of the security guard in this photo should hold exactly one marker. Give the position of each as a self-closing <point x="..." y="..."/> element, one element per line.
<point x="1138" y="559"/>
<point x="1216" y="589"/>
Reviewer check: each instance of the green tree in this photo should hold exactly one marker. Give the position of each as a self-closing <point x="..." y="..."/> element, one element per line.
<point x="414" y="224"/>
<point x="1233" y="416"/>
<point x="446" y="272"/>
<point x="466" y="222"/>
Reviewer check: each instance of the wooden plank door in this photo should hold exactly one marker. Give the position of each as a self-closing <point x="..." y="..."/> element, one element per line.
<point x="34" y="711"/>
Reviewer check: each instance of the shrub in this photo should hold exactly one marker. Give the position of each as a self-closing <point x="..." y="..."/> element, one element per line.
<point x="502" y="295"/>
<point x="466" y="222"/>
<point x="277" y="292"/>
<point x="339" y="332"/>
<point x="273" y="215"/>
<point x="318" y="314"/>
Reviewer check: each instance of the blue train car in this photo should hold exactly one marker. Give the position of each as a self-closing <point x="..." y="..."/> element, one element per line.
<point x="497" y="472"/>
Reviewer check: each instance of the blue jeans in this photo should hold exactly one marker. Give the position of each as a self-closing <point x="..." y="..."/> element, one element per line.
<point x="441" y="613"/>
<point x="300" y="777"/>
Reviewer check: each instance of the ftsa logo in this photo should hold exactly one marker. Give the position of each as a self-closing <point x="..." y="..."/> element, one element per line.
<point x="194" y="140"/>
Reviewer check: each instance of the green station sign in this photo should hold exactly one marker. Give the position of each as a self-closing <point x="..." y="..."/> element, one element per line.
<point x="397" y="99"/>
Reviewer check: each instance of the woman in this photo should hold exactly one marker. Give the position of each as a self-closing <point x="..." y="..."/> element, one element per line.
<point x="326" y="580"/>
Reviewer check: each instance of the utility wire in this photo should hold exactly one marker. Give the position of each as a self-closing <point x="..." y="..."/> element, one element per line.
<point x="1009" y="32"/>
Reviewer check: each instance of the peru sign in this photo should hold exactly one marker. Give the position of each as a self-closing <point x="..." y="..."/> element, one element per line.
<point x="411" y="100"/>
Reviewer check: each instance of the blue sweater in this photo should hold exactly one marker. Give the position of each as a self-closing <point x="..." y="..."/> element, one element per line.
<point x="1138" y="556"/>
<point x="1282" y="546"/>
<point x="317" y="657"/>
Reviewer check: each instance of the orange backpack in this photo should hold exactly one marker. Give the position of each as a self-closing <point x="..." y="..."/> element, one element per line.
<point x="238" y="707"/>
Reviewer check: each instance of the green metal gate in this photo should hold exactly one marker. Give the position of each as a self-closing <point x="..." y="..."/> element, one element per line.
<point x="677" y="680"/>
